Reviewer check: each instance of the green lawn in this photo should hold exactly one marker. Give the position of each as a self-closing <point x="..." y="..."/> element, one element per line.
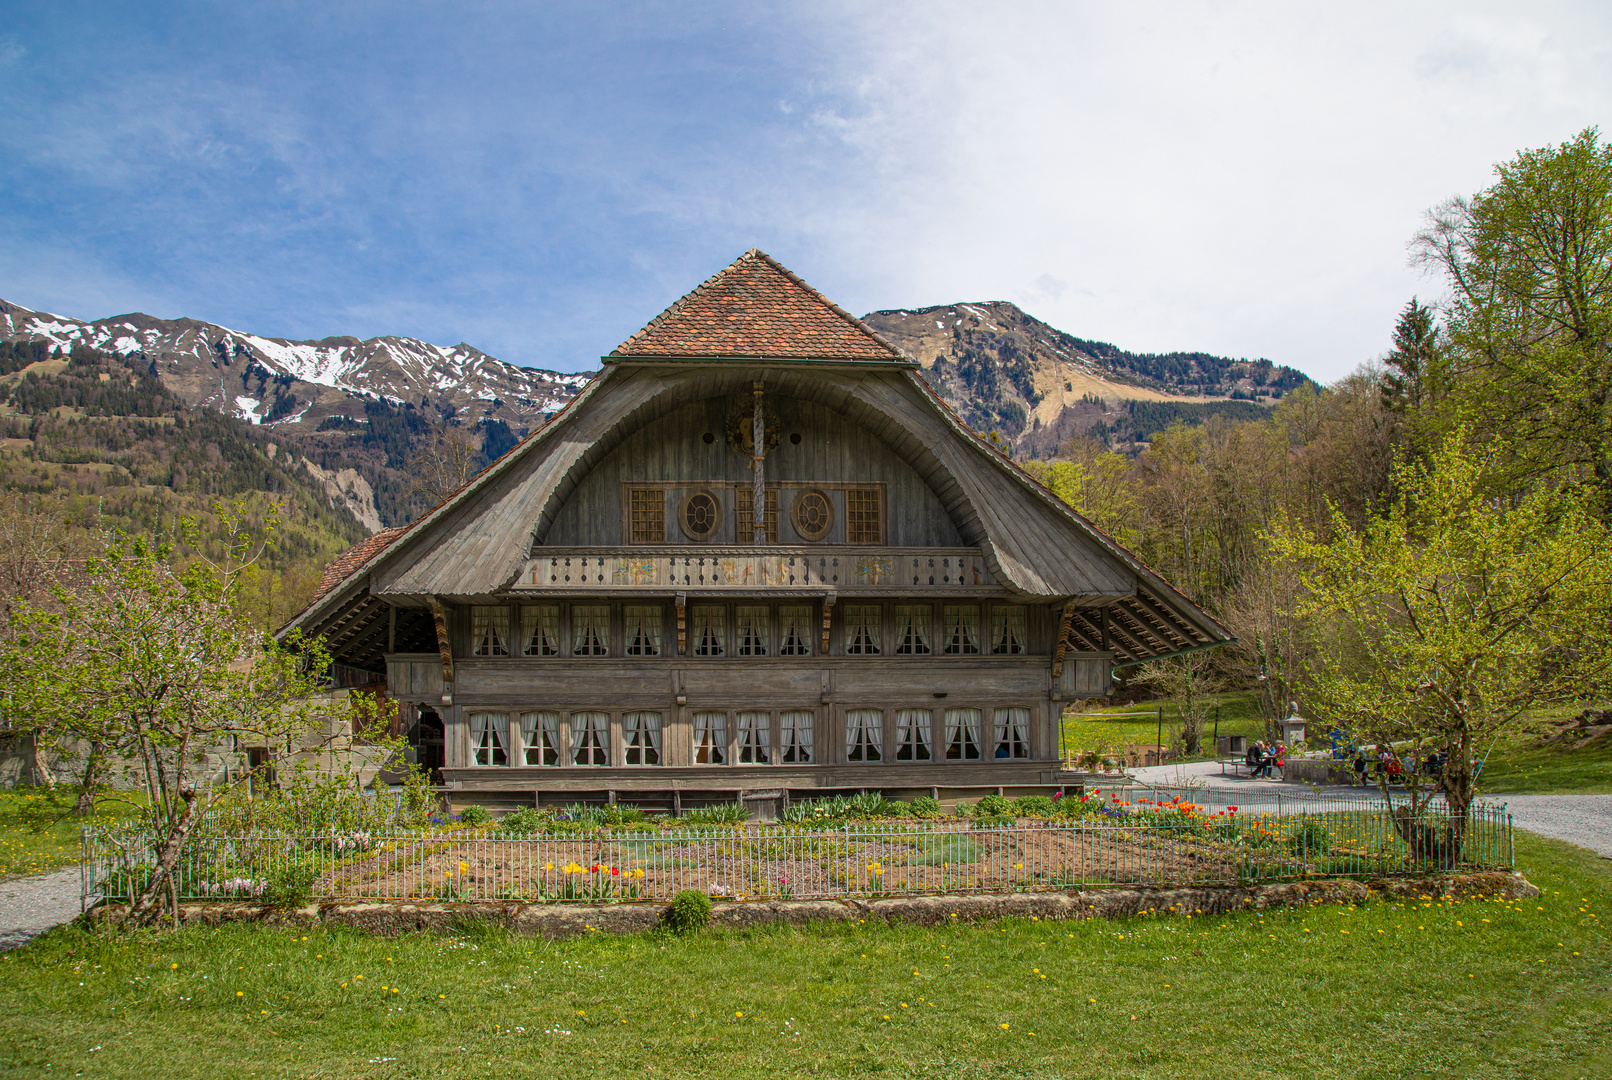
<point x="1472" y="989"/>
<point x="38" y="832"/>
<point x="1104" y="729"/>
<point x="1533" y="769"/>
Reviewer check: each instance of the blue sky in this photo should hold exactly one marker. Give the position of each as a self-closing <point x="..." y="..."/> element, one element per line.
<point x="539" y="180"/>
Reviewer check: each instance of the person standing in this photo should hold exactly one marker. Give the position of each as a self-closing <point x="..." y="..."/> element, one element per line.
<point x="1359" y="765"/>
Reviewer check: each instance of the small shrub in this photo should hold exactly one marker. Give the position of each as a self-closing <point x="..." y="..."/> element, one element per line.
<point x="475" y="814"/>
<point x="522" y="822"/>
<point x="992" y="821"/>
<point x="721" y="814"/>
<point x="925" y="806"/>
<point x="1312" y="838"/>
<point x="289" y="887"/>
<point x="993" y="805"/>
<point x="1039" y="806"/>
<point x="688" y="913"/>
<point x="621" y="814"/>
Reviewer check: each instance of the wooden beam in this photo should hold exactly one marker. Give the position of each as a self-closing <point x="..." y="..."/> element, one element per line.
<point x="1063" y="641"/>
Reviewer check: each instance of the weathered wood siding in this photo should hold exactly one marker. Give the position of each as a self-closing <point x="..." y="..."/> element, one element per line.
<point x="831" y="449"/>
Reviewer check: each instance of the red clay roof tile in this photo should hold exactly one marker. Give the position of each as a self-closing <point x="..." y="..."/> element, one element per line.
<point x="348" y="562"/>
<point x="755" y="308"/>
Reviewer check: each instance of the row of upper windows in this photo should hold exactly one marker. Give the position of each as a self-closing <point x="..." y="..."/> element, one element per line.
<point x="848" y="513"/>
<point x="584" y="738"/>
<point x="750" y="630"/>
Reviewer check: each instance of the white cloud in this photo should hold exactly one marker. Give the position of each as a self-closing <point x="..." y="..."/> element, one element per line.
<point x="1241" y="178"/>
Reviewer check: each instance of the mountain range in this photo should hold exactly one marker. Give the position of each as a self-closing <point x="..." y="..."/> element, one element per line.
<point x="351" y="413"/>
<point x="305" y="383"/>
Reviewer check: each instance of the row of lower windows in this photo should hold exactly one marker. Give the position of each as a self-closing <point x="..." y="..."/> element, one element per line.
<point x="745" y="737"/>
<point x="751" y="630"/>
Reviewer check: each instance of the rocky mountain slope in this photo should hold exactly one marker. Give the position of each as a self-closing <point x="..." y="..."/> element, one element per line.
<point x="302" y="384"/>
<point x="1006" y="371"/>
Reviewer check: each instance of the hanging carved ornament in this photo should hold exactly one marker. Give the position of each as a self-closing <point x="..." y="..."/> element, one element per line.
<point x="741" y="427"/>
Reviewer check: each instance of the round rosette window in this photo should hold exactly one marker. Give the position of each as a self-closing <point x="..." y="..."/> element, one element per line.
<point x="700" y="515"/>
<point x="812" y="514"/>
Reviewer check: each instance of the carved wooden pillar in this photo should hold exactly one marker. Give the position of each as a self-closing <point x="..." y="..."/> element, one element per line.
<point x="759" y="463"/>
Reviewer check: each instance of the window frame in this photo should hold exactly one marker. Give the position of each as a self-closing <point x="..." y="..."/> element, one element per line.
<point x="490" y="742"/>
<point x="711" y="746"/>
<point x="1006" y="613"/>
<point x="494" y="616"/>
<point x="1008" y="733"/>
<point x="869" y="726"/>
<point x="609" y="631"/>
<point x="640" y="611"/>
<point x="643" y="738"/>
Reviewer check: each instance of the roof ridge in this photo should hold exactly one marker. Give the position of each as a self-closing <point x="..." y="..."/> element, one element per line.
<point x="873" y="340"/>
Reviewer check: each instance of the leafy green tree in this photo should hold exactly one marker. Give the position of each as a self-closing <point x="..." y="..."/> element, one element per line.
<point x="1529" y="264"/>
<point x="1450" y="616"/>
<point x="154" y="664"/>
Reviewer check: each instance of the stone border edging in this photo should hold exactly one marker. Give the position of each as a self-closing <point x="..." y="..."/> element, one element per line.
<point x="559" y="921"/>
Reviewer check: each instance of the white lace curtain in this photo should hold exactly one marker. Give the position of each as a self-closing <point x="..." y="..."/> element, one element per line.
<point x="489" y="738"/>
<point x="1012" y="732"/>
<point x="755" y="738"/>
<point x="864" y="735"/>
<point x="540" y="738"/>
<point x="962" y="733"/>
<point x="590" y="738"/>
<point x="912" y="734"/>
<point x="540" y="630"/>
<point x="710" y="738"/>
<point x="795" y="737"/>
<point x="640" y="736"/>
<point x="643" y="630"/>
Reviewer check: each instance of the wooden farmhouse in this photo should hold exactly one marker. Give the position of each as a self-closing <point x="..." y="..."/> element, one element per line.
<point x="759" y="557"/>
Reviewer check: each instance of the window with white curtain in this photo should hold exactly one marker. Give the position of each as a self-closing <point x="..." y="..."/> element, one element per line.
<point x="540" y="630"/>
<point x="642" y="624"/>
<point x="1007" y="630"/>
<point x="961" y="629"/>
<point x="710" y="636"/>
<point x="590" y="738"/>
<point x="755" y="738"/>
<point x="489" y="738"/>
<point x="489" y="631"/>
<point x="710" y="738"/>
<point x="912" y="630"/>
<point x="795" y="737"/>
<point x="795" y="630"/>
<point x="750" y="630"/>
<point x="540" y="738"/>
<point x="590" y="629"/>
<point x="864" y="735"/>
<point x="913" y="735"/>
<point x="962" y="734"/>
<point x="640" y="737"/>
<point x="1012" y="733"/>
<point x="862" y="629"/>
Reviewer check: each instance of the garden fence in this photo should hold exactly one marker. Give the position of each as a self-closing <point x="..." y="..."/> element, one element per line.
<point x="1162" y="845"/>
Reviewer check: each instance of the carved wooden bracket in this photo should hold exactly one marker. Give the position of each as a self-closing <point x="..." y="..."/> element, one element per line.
<point x="439" y="616"/>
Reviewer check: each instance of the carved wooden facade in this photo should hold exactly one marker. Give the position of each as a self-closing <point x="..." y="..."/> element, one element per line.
<point x="756" y="553"/>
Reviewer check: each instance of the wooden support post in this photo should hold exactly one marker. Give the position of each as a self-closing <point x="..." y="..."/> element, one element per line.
<point x="828" y="615"/>
<point x="391" y="628"/>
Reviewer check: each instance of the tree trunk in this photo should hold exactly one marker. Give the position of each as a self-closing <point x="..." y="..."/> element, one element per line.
<point x="86" y="792"/>
<point x="148" y="909"/>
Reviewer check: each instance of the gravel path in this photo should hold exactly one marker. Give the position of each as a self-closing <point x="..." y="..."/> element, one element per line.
<point x="29" y="906"/>
<point x="1585" y="820"/>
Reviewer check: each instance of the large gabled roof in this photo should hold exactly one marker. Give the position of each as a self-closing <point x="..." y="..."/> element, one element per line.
<point x="755" y="308"/>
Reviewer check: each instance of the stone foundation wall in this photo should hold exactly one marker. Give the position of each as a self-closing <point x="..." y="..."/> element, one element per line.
<point x="558" y="921"/>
